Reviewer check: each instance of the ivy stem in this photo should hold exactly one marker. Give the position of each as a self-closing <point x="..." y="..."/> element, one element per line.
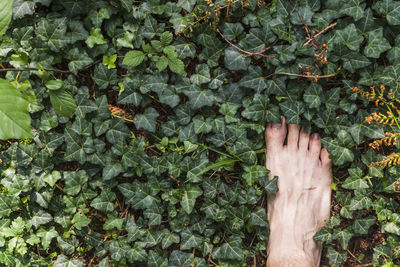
<point x="36" y="69"/>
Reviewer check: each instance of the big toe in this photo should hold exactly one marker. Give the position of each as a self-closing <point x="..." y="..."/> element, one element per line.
<point x="275" y="134"/>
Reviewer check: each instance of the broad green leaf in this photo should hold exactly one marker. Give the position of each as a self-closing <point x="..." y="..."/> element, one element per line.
<point x="41" y="218"/>
<point x="187" y="4"/>
<point x="104" y="202"/>
<point x="53" y="32"/>
<point x="133" y="58"/>
<point x="15" y="121"/>
<point x="349" y="37"/>
<point x="74" y="181"/>
<point x="180" y="259"/>
<point x="335" y="258"/>
<point x="63" y="261"/>
<point x="292" y="111"/>
<point x="361" y="226"/>
<point x="199" y="98"/>
<point x="353" y="8"/>
<point x="360" y="202"/>
<point x="254" y="173"/>
<point x="189" y="195"/>
<point x="176" y="65"/>
<point x="190" y="240"/>
<point x="234" y="60"/>
<point x="259" y="217"/>
<point x="22" y="8"/>
<point x="230" y="250"/>
<point x="343" y="236"/>
<point x="5" y="15"/>
<point x="8" y="204"/>
<point x="78" y="60"/>
<point x="147" y="120"/>
<point x="54" y="84"/>
<point x="166" y="38"/>
<point x="202" y="75"/>
<point x="80" y="220"/>
<point x="232" y="30"/>
<point x="62" y="102"/>
<point x="390" y="9"/>
<point x="157" y="259"/>
<point x="377" y="44"/>
<point x="95" y="38"/>
<point x="46" y="236"/>
<point x="169" y="239"/>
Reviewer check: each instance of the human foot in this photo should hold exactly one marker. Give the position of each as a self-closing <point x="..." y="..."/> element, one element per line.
<point x="302" y="204"/>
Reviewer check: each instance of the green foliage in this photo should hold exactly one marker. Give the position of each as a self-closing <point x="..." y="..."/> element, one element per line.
<point x="145" y="144"/>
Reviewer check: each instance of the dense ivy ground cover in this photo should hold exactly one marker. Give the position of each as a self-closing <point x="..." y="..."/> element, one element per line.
<point x="148" y="120"/>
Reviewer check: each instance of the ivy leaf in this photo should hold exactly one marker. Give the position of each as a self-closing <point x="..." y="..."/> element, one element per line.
<point x="147" y="120"/>
<point x="95" y="38"/>
<point x="190" y="240"/>
<point x="63" y="103"/>
<point x="166" y="38"/>
<point x="335" y="258"/>
<point x="104" y="202"/>
<point x="78" y="60"/>
<point x="74" y="181"/>
<point x="14" y="111"/>
<point x="254" y="173"/>
<point x="8" y="204"/>
<point x="189" y="195"/>
<point x="353" y="8"/>
<point x="230" y="250"/>
<point x="199" y="98"/>
<point x="103" y="77"/>
<point x="54" y="33"/>
<point x="259" y="217"/>
<point x="46" y="236"/>
<point x="186" y="4"/>
<point x="292" y="111"/>
<point x="63" y="261"/>
<point x="312" y="95"/>
<point x="349" y="37"/>
<point x="169" y="239"/>
<point x="133" y="58"/>
<point x="180" y="259"/>
<point x="202" y="75"/>
<point x="377" y="44"/>
<point x="5" y="15"/>
<point x="232" y="30"/>
<point x="390" y="9"/>
<point x="41" y="218"/>
<point x="234" y="60"/>
<point x="355" y="61"/>
<point x="361" y="226"/>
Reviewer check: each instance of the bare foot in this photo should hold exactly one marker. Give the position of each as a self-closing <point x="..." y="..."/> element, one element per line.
<point x="302" y="204"/>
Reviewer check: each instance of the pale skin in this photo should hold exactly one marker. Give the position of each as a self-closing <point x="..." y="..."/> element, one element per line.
<point x="302" y="204"/>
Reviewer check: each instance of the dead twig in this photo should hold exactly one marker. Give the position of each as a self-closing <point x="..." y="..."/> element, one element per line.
<point x="59" y="187"/>
<point x="311" y="77"/>
<point x="173" y="178"/>
<point x="319" y="33"/>
<point x="210" y="258"/>
<point x="248" y="54"/>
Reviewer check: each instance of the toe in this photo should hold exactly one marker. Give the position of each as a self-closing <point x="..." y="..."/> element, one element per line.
<point x="326" y="161"/>
<point x="275" y="134"/>
<point x="314" y="146"/>
<point x="304" y="139"/>
<point x="293" y="136"/>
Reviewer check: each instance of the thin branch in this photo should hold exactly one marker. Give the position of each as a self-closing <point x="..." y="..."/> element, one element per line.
<point x="300" y="75"/>
<point x="319" y="33"/>
<point x="259" y="53"/>
<point x="33" y="69"/>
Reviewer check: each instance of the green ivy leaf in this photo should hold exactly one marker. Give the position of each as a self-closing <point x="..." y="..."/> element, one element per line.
<point x="377" y="44"/>
<point x="234" y="60"/>
<point x="349" y="37"/>
<point x="104" y="202"/>
<point x="189" y="195"/>
<point x="335" y="258"/>
<point x="390" y="9"/>
<point x="147" y="120"/>
<point x="95" y="38"/>
<point x="53" y="32"/>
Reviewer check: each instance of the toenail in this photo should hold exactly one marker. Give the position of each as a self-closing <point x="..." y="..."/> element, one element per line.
<point x="315" y="136"/>
<point x="276" y="126"/>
